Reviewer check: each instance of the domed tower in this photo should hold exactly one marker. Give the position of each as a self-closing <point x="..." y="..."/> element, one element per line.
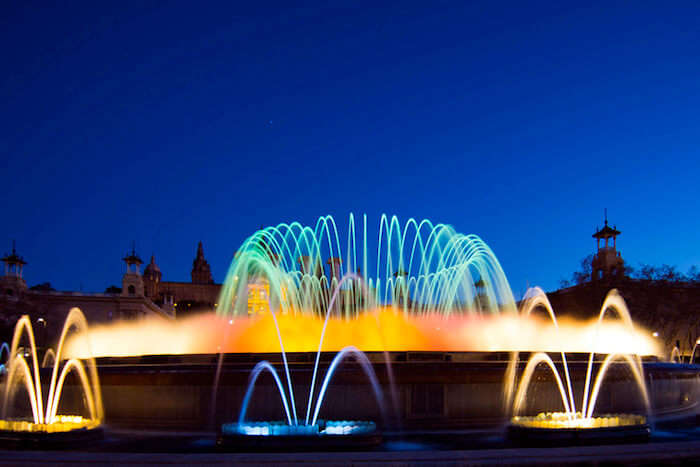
<point x="12" y="284"/>
<point x="607" y="263"/>
<point x="151" y="278"/>
<point x="201" y="272"/>
<point x="132" y="282"/>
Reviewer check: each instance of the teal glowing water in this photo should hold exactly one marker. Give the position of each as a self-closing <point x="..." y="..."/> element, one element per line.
<point x="322" y="428"/>
<point x="419" y="267"/>
<point x="288" y="399"/>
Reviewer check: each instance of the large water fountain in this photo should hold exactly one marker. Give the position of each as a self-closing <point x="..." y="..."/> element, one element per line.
<point x="45" y="423"/>
<point x="421" y="271"/>
<point x="411" y="288"/>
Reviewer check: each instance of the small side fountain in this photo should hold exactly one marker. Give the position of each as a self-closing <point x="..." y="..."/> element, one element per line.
<point x="293" y="434"/>
<point x="45" y="425"/>
<point x="297" y="434"/>
<point x="572" y="424"/>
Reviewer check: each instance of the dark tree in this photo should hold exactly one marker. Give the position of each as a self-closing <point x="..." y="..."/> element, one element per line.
<point x="584" y="274"/>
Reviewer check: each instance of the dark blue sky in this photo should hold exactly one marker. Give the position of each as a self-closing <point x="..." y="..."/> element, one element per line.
<point x="178" y="122"/>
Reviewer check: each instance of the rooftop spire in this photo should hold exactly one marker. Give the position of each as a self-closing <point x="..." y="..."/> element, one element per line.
<point x="14" y="258"/>
<point x="606" y="231"/>
<point x="132" y="258"/>
<point x="201" y="272"/>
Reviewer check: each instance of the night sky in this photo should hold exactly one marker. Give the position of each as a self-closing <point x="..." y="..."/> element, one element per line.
<point x="176" y="122"/>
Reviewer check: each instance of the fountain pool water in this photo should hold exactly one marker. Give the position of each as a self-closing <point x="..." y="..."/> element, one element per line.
<point x="44" y="418"/>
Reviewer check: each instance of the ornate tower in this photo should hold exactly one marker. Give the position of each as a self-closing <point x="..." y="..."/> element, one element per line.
<point x="201" y="272"/>
<point x="607" y="263"/>
<point x="12" y="283"/>
<point x="132" y="282"/>
<point x="151" y="278"/>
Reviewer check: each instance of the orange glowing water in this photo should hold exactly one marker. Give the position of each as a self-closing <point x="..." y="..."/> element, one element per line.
<point x="383" y="330"/>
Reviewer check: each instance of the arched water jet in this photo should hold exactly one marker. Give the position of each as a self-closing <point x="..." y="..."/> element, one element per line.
<point x="535" y="297"/>
<point x="76" y="320"/>
<point x="348" y="277"/>
<point x="440" y="268"/>
<point x="4" y="351"/>
<point x="19" y="365"/>
<point x="259" y="367"/>
<point x="48" y="420"/>
<point x="571" y="418"/>
<point x="692" y="354"/>
<point x="72" y="365"/>
<point x="639" y="379"/>
<point x="613" y="301"/>
<point x="532" y="363"/>
<point x="49" y="358"/>
<point x="24" y="325"/>
<point x="366" y="366"/>
<point x="315" y="428"/>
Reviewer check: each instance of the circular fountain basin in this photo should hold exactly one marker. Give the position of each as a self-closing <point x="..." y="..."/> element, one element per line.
<point x="559" y="427"/>
<point x="67" y="430"/>
<point x="278" y="435"/>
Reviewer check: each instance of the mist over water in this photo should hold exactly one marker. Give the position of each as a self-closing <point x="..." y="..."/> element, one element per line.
<point x="383" y="330"/>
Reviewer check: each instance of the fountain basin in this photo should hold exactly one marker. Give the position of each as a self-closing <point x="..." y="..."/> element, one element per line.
<point x="278" y="435"/>
<point x="67" y="430"/>
<point x="558" y="427"/>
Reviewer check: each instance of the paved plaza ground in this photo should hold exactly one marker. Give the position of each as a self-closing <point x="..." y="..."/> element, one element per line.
<point x="674" y="448"/>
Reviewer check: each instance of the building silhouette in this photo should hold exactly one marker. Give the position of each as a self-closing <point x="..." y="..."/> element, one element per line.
<point x="141" y="295"/>
<point x="607" y="263"/>
<point x="668" y="309"/>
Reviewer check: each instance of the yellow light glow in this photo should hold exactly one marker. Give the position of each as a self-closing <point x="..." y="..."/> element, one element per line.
<point x="62" y="424"/>
<point x="562" y="420"/>
<point x="385" y="329"/>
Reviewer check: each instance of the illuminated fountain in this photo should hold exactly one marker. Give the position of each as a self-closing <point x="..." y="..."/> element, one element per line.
<point x="419" y="287"/>
<point x="420" y="268"/>
<point x="575" y="421"/>
<point x="45" y="422"/>
<point x="313" y="426"/>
